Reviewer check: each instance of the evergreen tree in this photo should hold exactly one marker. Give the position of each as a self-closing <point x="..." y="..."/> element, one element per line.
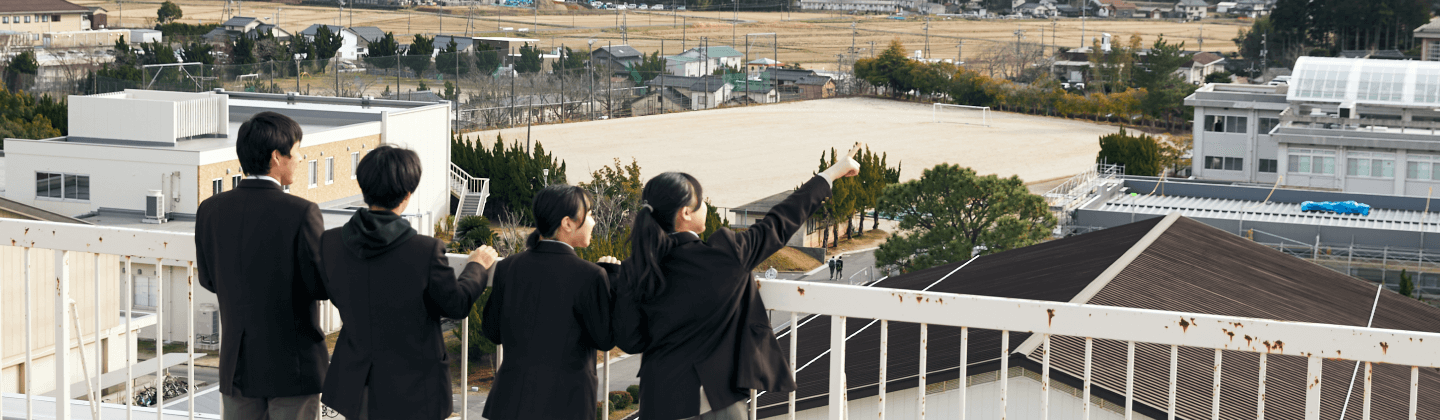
<point x="951" y="211"/>
<point x="383" y="53"/>
<point x="487" y="59"/>
<point x="529" y="61"/>
<point x="451" y="60"/>
<point x="21" y="70"/>
<point x="570" y="60"/>
<point x="649" y="66"/>
<point x="1407" y="286"/>
<point x="417" y="58"/>
<point x="516" y="172"/>
<point x="169" y="11"/>
<point x="327" y="43"/>
<point x="1140" y="154"/>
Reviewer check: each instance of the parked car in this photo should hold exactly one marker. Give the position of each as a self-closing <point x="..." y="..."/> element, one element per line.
<point x="644" y="6"/>
<point x="657" y="7"/>
<point x="680" y="8"/>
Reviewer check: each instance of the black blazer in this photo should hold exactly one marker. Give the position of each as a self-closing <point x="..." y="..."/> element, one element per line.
<point x="257" y="249"/>
<point x="391" y="305"/>
<point x="709" y="326"/>
<point x="551" y="310"/>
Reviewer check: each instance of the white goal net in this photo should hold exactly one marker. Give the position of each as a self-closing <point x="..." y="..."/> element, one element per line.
<point x="961" y="114"/>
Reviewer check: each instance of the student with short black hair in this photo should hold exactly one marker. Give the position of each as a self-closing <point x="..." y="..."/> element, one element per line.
<point x="551" y="311"/>
<point x="690" y="305"/>
<point x="392" y="286"/>
<point x="257" y="249"/>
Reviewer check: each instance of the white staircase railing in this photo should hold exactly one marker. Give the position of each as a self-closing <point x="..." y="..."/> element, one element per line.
<point x="465" y="186"/>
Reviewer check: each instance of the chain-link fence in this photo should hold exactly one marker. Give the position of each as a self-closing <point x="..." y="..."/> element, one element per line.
<point x="494" y="89"/>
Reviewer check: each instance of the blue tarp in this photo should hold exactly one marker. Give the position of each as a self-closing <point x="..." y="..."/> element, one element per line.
<point x="1342" y="207"/>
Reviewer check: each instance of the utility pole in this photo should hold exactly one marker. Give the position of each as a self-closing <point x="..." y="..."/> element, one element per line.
<point x="590" y="69"/>
<point x="1201" y="41"/>
<point x="960" y="53"/>
<point x="853" y="32"/>
<point x="927" y="37"/>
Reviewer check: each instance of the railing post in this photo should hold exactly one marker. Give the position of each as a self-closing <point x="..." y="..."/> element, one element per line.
<point x="1045" y="379"/>
<point x="837" y="367"/>
<point x="29" y="339"/>
<point x="1129" y="380"/>
<point x="794" y="343"/>
<point x="1369" y="375"/>
<point x="1174" y="378"/>
<point x="924" y="352"/>
<point x="465" y="367"/>
<point x="1089" y="343"/>
<point x="1004" y="372"/>
<point x="1312" y="388"/>
<point x="1414" y="391"/>
<point x="1215" y="389"/>
<point x="964" y="369"/>
<point x="159" y="338"/>
<point x="884" y="355"/>
<point x="62" y="335"/>
<point x="1260" y="401"/>
<point x="125" y="295"/>
<point x="99" y="362"/>
<point x="190" y="337"/>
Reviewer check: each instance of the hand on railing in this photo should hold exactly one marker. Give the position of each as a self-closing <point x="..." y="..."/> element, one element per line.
<point x="485" y="255"/>
<point x="608" y="260"/>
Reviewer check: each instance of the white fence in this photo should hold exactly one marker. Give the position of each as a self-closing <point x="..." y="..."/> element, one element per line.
<point x="71" y="243"/>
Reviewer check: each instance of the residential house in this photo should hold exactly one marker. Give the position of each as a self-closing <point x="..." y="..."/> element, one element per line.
<point x="40" y="16"/>
<point x="1199" y="65"/>
<point x="238" y="26"/>
<point x="1225" y="7"/>
<point x="760" y="64"/>
<point x="1037" y="10"/>
<point x="1429" y="37"/>
<point x="1191" y="9"/>
<point x="1253" y="8"/>
<point x="352" y="45"/>
<point x="1162" y="264"/>
<point x="870" y="6"/>
<point x="701" y="61"/>
<point x="800" y="84"/>
<point x="748" y="92"/>
<point x="1119" y="8"/>
<point x="667" y="93"/>
<point x="617" y="57"/>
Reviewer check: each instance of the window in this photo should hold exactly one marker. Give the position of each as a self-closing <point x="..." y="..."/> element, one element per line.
<point x="1224" y="163"/>
<point x="1312" y="161"/>
<point x="55" y="18"/>
<point x="1224" y="124"/>
<point x="145" y="291"/>
<point x="354" y="163"/>
<point x="4" y="19"/>
<point x="329" y="170"/>
<point x="235" y="181"/>
<point x="1426" y="167"/>
<point x="1268" y="165"/>
<point x="62" y="186"/>
<point x="27" y="19"/>
<point x="1267" y="124"/>
<point x="1368" y="164"/>
<point x="314" y="174"/>
<point x="217" y="186"/>
<point x="44" y="18"/>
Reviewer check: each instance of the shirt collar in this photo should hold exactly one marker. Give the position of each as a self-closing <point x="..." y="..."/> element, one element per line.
<point x="265" y="177"/>
<point x="572" y="248"/>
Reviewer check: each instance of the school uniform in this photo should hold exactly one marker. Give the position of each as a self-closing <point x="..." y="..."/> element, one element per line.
<point x="708" y="329"/>
<point x="392" y="286"/>
<point x="551" y="311"/>
<point x="257" y="249"/>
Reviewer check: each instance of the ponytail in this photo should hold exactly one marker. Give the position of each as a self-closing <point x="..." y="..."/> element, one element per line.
<point x="650" y="241"/>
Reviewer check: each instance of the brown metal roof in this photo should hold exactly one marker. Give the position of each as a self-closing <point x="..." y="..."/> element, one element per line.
<point x="1190" y="267"/>
<point x="1060" y="269"/>
<point x="33" y="6"/>
<point x="1197" y="268"/>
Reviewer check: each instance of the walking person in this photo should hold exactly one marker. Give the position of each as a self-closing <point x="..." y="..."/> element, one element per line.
<point x="831" y="263"/>
<point x="392" y="286"/>
<point x="839" y="267"/>
<point x="551" y="311"/>
<point x="692" y="307"/>
<point x="258" y="249"/>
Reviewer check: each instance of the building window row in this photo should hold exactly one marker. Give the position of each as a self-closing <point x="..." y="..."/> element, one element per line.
<point x="1268" y="165"/>
<point x="1225" y="163"/>
<point x="1267" y="124"/>
<point x="62" y="186"/>
<point x="1425" y="167"/>
<point x="1369" y="164"/>
<point x="1312" y="161"/>
<point x="1224" y="124"/>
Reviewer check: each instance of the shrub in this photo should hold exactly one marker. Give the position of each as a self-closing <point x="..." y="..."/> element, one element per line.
<point x="634" y="391"/>
<point x="620" y="400"/>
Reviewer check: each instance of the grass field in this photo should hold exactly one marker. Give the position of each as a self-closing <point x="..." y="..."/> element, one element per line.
<point x="744" y="154"/>
<point x="811" y="39"/>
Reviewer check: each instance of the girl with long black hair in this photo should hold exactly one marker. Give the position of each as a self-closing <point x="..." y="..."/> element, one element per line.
<point x="551" y="310"/>
<point x="691" y="306"/>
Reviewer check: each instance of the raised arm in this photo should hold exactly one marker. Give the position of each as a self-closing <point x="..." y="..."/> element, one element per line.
<point x="769" y="235"/>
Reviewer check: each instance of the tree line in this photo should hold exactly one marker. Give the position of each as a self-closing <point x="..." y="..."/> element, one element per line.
<point x="1297" y="28"/>
<point x="1125" y="86"/>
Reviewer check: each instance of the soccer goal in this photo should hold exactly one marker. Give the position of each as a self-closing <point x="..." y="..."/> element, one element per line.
<point x="961" y="114"/>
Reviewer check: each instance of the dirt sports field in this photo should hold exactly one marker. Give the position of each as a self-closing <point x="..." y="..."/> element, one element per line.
<point x="811" y="39"/>
<point x="747" y="153"/>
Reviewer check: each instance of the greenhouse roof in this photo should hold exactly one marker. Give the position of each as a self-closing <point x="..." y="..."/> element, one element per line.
<point x="1381" y="82"/>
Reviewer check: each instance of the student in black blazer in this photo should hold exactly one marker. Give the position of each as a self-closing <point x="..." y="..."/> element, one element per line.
<point x="257" y="249"/>
<point x="692" y="307"/>
<point x="551" y="311"/>
<point x="391" y="287"/>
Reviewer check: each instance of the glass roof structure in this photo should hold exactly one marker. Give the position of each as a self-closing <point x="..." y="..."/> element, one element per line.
<point x="1364" y="81"/>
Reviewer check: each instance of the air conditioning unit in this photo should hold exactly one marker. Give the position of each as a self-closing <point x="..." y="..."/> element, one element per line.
<point x="155" y="207"/>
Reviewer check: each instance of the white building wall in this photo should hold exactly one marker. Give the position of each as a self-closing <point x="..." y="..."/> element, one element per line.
<point x="116" y="117"/>
<point x="426" y="131"/>
<point x="982" y="402"/>
<point x="120" y="176"/>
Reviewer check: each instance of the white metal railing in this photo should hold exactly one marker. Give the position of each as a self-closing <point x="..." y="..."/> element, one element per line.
<point x="72" y="244"/>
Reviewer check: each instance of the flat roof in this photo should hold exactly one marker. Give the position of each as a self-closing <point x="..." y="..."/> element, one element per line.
<point x="131" y="219"/>
<point x="1261" y="211"/>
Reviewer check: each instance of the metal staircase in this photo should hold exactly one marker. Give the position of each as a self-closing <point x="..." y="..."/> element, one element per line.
<point x="471" y="191"/>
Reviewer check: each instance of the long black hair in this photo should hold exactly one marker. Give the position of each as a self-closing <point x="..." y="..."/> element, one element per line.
<point x="553" y="204"/>
<point x="664" y="196"/>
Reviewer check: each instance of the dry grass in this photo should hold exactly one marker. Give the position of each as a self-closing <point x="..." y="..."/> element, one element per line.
<point x="789" y="259"/>
<point x="811" y="39"/>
